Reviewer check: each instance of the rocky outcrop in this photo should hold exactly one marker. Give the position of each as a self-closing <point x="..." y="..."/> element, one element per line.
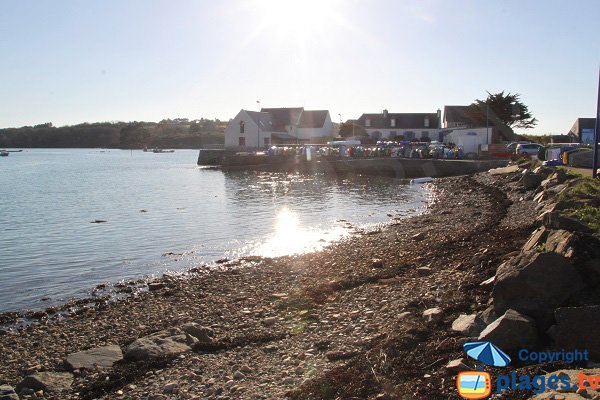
<point x="165" y="343"/>
<point x="100" y="357"/>
<point x="535" y="284"/>
<point x="531" y="180"/>
<point x="511" y="331"/>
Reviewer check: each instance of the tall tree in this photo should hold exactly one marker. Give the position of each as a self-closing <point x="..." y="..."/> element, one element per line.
<point x="508" y="108"/>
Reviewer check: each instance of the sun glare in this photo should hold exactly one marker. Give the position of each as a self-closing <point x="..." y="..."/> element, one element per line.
<point x="300" y="19"/>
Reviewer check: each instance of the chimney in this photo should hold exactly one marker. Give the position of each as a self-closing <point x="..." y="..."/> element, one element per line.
<point x="439" y="115"/>
<point x="385" y="113"/>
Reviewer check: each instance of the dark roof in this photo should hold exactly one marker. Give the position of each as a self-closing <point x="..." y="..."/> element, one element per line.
<point x="280" y="117"/>
<point x="403" y="120"/>
<point x="262" y="119"/>
<point x="313" y="119"/>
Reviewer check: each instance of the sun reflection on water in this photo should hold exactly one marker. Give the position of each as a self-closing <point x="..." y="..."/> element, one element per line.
<point x="291" y="237"/>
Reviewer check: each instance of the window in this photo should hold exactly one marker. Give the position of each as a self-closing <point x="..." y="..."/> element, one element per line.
<point x="241" y="126"/>
<point x="267" y="141"/>
<point x="242" y="141"/>
<point x="393" y="122"/>
<point x="426" y="122"/>
<point x="367" y="122"/>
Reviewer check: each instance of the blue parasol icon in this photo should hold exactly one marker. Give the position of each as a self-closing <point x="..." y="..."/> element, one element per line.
<point x="487" y="353"/>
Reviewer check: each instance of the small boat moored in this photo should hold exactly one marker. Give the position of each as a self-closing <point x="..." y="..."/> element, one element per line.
<point x="162" y="151"/>
<point x="3" y="153"/>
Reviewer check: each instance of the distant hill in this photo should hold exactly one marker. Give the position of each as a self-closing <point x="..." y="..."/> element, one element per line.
<point x="174" y="133"/>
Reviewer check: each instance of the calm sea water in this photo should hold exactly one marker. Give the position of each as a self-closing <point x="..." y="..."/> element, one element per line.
<point x="155" y="204"/>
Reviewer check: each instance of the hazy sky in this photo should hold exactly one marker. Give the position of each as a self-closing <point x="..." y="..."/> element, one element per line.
<point x="85" y="61"/>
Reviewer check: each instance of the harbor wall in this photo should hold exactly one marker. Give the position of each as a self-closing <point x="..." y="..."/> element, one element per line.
<point x="404" y="168"/>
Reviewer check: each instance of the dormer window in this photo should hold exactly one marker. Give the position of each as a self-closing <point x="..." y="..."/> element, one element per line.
<point x="393" y="122"/>
<point x="367" y="122"/>
<point x="426" y="122"/>
<point x="242" y="126"/>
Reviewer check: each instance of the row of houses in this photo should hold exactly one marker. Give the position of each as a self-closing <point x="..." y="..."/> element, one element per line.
<point x="269" y="126"/>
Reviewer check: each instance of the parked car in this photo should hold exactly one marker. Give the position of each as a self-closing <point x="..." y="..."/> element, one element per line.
<point x="529" y="149"/>
<point x="511" y="147"/>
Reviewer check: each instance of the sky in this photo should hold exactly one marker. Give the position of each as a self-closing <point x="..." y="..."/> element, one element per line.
<point x="69" y="62"/>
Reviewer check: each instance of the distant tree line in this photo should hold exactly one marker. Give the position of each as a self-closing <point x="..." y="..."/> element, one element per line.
<point x="176" y="133"/>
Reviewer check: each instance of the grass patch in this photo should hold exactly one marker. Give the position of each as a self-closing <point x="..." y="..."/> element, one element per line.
<point x="590" y="216"/>
<point x="585" y="188"/>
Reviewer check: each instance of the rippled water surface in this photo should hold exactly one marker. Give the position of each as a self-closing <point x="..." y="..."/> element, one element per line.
<point x="163" y="213"/>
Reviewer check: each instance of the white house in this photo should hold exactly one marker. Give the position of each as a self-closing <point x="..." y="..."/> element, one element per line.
<point x="253" y="129"/>
<point x="404" y="126"/>
<point x="470" y="139"/>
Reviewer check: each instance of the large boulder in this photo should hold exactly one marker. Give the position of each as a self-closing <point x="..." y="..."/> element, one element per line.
<point x="511" y="331"/>
<point x="100" y="357"/>
<point x="535" y="284"/>
<point x="561" y="242"/>
<point x="578" y="328"/>
<point x="165" y="343"/>
<point x="468" y="325"/>
<point x="52" y="382"/>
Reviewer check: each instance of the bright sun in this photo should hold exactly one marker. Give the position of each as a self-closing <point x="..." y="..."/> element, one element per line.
<point x="300" y="19"/>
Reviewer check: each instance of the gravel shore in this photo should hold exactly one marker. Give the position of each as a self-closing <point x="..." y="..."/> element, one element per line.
<point x="344" y="323"/>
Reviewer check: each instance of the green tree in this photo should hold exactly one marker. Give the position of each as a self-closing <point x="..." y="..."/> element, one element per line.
<point x="508" y="108"/>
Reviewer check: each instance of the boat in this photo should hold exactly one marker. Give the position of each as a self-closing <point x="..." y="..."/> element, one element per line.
<point x="3" y="153"/>
<point x="162" y="151"/>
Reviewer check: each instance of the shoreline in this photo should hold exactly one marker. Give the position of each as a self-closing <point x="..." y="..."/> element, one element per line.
<point x="288" y="303"/>
<point x="108" y="292"/>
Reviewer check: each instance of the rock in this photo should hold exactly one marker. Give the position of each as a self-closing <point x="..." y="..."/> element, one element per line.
<point x="572" y="375"/>
<point x="488" y="315"/>
<point x="557" y="220"/>
<point x="340" y="355"/>
<point x="171" y="388"/>
<point x="246" y="369"/>
<point x="100" y="357"/>
<point x="511" y="331"/>
<point x="560" y="242"/>
<point x="270" y="321"/>
<point x="202" y="333"/>
<point x="536" y="239"/>
<point x="468" y="325"/>
<point x="419" y="236"/>
<point x="457" y="365"/>
<point x="155" y="286"/>
<point x="577" y="328"/>
<point x="531" y="180"/>
<point x="535" y="284"/>
<point x="164" y="343"/>
<point x="238" y="375"/>
<point x="488" y="282"/>
<point x="8" y="393"/>
<point x="424" y="271"/>
<point x="433" y="314"/>
<point x="377" y="263"/>
<point x="52" y="382"/>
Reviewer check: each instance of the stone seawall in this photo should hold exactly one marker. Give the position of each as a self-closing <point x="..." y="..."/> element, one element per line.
<point x="213" y="156"/>
<point x="392" y="167"/>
